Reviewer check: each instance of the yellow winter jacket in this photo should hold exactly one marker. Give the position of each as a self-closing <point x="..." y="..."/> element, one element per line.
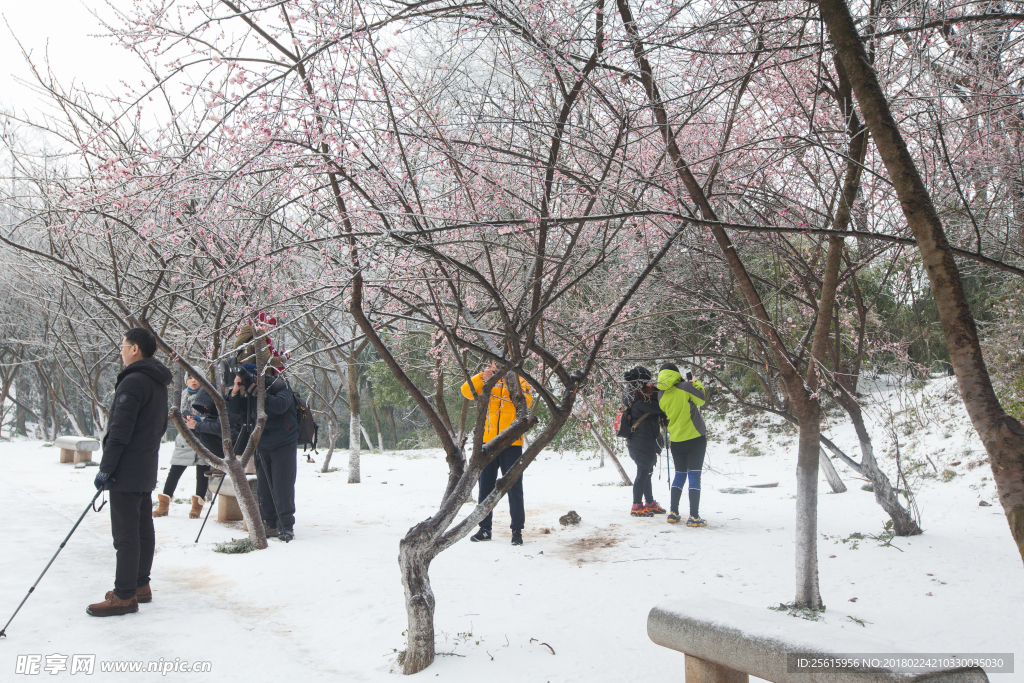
<point x="679" y="400"/>
<point x="501" y="411"/>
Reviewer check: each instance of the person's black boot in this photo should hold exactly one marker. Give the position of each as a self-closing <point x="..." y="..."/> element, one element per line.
<point x="517" y="537"/>
<point x="482" y="535"/>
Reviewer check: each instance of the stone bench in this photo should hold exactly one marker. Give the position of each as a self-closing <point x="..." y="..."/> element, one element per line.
<point x="76" y="449"/>
<point x="227" y="501"/>
<point x="726" y="643"/>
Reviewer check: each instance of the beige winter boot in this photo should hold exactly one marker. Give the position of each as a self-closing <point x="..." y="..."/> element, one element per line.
<point x="197" y="508"/>
<point x="163" y="504"/>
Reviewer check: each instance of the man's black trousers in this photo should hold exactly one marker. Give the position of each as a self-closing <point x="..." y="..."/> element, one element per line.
<point x="131" y="524"/>
<point x="275" y="485"/>
<point x="505" y="460"/>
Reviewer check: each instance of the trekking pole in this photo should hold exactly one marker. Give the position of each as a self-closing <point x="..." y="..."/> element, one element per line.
<point x="92" y="503"/>
<point x="668" y="472"/>
<point x="212" y="501"/>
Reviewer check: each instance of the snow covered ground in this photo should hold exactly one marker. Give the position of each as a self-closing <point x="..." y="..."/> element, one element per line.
<point x="329" y="605"/>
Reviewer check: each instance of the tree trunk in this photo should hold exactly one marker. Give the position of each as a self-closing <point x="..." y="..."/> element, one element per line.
<point x="247" y="504"/>
<point x="604" y="448"/>
<point x="903" y="521"/>
<point x="807" y="594"/>
<point x="833" y="478"/>
<point x="354" y="442"/>
<point x="1002" y="435"/>
<point x="419" y="600"/>
<point x="330" y="448"/>
<point x="376" y="420"/>
<point x="354" y="426"/>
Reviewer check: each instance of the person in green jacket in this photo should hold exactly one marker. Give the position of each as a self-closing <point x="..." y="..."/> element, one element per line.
<point x="680" y="400"/>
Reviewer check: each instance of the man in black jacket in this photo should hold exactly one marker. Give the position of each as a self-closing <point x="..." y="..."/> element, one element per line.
<point x="131" y="450"/>
<point x="277" y="454"/>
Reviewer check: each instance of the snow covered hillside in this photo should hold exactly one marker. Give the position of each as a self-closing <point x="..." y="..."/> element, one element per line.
<point x="569" y="605"/>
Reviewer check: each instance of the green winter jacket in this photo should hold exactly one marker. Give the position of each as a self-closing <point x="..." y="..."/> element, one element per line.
<point x="679" y="399"/>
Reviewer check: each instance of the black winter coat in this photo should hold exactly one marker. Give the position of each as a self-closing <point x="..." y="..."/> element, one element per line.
<point x="647" y="441"/>
<point x="208" y="429"/>
<point x="138" y="421"/>
<point x="282" y="427"/>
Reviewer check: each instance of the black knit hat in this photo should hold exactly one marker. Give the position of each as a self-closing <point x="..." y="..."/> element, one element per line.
<point x="638" y="375"/>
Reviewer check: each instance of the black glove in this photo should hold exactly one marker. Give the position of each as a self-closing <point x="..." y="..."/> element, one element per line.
<point x="103" y="480"/>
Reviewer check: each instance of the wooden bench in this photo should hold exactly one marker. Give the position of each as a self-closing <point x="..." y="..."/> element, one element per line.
<point x="726" y="643"/>
<point x="76" y="449"/>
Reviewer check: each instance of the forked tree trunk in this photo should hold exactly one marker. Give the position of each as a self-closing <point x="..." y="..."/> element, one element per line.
<point x="414" y="562"/>
<point x="1001" y="434"/>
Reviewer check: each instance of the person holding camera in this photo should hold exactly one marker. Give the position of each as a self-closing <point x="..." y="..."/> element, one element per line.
<point x="277" y="452"/>
<point x="680" y="400"/>
<point x="645" y="441"/>
<point x="129" y="467"/>
<point x="183" y="456"/>
<point x="501" y="412"/>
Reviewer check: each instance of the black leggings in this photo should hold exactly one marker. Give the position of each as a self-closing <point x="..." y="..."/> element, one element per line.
<point x="642" y="484"/>
<point x="202" y="482"/>
<point x="688" y="457"/>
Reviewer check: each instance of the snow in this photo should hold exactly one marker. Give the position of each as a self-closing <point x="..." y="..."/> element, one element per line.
<point x="329" y="605"/>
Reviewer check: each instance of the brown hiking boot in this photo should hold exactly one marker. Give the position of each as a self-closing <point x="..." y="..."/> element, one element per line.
<point x="143" y="593"/>
<point x="197" y="508"/>
<point x="163" y="504"/>
<point x="113" y="606"/>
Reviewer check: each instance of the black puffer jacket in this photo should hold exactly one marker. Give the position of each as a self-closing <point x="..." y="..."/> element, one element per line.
<point x="647" y="441"/>
<point x="138" y="420"/>
<point x="282" y="425"/>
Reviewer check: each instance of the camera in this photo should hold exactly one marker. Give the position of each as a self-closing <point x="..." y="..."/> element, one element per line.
<point x="689" y="376"/>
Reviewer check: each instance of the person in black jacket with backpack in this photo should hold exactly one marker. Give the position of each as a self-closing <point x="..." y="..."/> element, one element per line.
<point x="128" y="469"/>
<point x="277" y="453"/>
<point x="645" y="441"/>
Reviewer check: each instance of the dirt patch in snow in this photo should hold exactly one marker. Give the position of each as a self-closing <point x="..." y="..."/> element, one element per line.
<point x="592" y="546"/>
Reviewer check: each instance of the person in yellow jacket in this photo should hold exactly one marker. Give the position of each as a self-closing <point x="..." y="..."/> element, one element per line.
<point x="680" y="400"/>
<point x="501" y="412"/>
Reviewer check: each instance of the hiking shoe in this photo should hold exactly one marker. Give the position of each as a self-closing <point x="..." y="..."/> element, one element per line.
<point x="285" y="535"/>
<point x="640" y="511"/>
<point x="271" y="529"/>
<point x="113" y="606"/>
<point x="482" y="535"/>
<point x="673" y="518"/>
<point x="696" y="521"/>
<point x="144" y="594"/>
<point x="654" y="508"/>
<point x="517" y="537"/>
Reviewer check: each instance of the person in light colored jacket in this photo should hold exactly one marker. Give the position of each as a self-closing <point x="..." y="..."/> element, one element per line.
<point x="182" y="457"/>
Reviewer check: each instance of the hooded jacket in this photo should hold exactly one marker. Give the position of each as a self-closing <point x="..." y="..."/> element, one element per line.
<point x="183" y="453"/>
<point x="501" y="411"/>
<point x="680" y="400"/>
<point x="645" y="443"/>
<point x="138" y="420"/>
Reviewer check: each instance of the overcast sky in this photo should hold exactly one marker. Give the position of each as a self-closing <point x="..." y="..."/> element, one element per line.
<point x="67" y="32"/>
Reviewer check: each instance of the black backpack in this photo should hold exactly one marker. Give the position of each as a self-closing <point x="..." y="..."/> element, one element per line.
<point x="308" y="428"/>
<point x="624" y="425"/>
